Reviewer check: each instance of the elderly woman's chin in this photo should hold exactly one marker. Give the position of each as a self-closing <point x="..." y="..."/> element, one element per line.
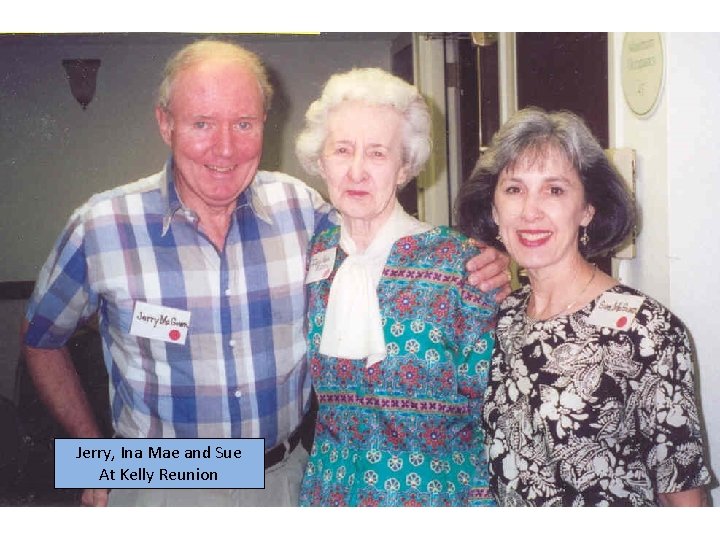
<point x="365" y="208"/>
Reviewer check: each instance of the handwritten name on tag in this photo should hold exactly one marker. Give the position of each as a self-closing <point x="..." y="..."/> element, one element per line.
<point x="321" y="265"/>
<point x="160" y="322"/>
<point x="616" y="311"/>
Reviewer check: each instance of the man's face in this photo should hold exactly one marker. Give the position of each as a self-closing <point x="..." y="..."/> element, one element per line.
<point x="214" y="125"/>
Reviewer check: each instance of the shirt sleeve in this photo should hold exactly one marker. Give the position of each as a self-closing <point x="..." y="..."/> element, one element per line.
<point x="62" y="297"/>
<point x="474" y="323"/>
<point x="325" y="214"/>
<point x="496" y="390"/>
<point x="675" y="447"/>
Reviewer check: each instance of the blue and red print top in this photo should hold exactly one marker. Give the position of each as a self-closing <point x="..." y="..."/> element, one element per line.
<point x="405" y="431"/>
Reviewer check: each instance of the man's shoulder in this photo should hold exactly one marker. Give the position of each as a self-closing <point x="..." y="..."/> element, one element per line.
<point x="275" y="193"/>
<point x="269" y="179"/>
<point x="143" y="185"/>
<point x="273" y="181"/>
<point x="107" y="199"/>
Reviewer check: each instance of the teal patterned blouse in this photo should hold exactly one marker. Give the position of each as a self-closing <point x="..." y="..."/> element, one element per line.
<point x="405" y="431"/>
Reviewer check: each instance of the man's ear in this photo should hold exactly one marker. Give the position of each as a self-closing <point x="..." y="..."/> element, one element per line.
<point x="165" y="124"/>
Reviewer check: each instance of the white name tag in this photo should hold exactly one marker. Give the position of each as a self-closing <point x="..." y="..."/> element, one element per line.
<point x="615" y="310"/>
<point x="160" y="322"/>
<point x="321" y="265"/>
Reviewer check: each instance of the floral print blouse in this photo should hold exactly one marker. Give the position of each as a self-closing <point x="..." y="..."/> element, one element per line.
<point x="405" y="431"/>
<point x="584" y="415"/>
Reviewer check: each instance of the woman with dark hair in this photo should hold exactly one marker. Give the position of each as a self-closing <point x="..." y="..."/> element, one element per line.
<point x="591" y="397"/>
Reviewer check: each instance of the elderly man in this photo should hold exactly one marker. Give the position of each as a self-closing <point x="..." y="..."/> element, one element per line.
<point x="217" y="244"/>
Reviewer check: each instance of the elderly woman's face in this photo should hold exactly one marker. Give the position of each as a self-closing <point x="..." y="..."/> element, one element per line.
<point x="539" y="206"/>
<point x="362" y="160"/>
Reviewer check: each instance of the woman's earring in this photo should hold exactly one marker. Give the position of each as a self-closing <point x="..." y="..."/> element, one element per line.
<point x="499" y="239"/>
<point x="584" y="239"/>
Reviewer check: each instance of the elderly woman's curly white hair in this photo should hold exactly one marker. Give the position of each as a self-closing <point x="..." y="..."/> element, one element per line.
<point x="372" y="86"/>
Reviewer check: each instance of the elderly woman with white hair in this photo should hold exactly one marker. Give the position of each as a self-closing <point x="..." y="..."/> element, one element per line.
<point x="399" y="342"/>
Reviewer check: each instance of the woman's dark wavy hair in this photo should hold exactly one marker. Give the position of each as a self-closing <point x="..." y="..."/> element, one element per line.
<point x="530" y="134"/>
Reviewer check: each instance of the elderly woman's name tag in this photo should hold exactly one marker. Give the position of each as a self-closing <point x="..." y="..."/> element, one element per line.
<point x="160" y="322"/>
<point x="616" y="311"/>
<point x="321" y="265"/>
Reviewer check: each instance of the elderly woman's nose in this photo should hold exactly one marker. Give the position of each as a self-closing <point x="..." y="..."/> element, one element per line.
<point x="357" y="167"/>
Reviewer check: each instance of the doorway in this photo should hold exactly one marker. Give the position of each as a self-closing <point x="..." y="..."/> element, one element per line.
<point x="552" y="70"/>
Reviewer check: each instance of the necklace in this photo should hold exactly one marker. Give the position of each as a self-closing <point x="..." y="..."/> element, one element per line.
<point x="571" y="304"/>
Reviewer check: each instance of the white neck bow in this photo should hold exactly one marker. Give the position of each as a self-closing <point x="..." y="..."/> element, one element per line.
<point x="353" y="324"/>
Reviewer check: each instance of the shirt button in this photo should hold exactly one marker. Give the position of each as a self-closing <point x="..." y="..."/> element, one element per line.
<point x="238" y="393"/>
<point x="231" y="343"/>
<point x="228" y="292"/>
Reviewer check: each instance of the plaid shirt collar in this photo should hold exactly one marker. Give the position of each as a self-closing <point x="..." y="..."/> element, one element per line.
<point x="251" y="197"/>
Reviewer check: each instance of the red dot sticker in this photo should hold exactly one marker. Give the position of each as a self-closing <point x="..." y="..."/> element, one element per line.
<point x="622" y="321"/>
<point x="174" y="335"/>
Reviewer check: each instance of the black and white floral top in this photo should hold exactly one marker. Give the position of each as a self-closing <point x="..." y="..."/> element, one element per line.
<point x="583" y="415"/>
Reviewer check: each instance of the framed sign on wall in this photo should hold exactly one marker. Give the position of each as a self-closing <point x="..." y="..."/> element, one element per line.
<point x="643" y="71"/>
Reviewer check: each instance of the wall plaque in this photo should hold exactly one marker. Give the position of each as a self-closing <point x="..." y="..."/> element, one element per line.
<point x="642" y="70"/>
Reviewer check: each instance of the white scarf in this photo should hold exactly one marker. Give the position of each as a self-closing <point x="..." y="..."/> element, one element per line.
<point x="353" y="325"/>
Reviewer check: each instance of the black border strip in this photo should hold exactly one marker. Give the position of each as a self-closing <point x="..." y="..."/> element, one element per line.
<point x="16" y="290"/>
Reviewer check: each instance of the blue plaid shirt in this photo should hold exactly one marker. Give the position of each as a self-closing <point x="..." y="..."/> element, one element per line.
<point x="242" y="369"/>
